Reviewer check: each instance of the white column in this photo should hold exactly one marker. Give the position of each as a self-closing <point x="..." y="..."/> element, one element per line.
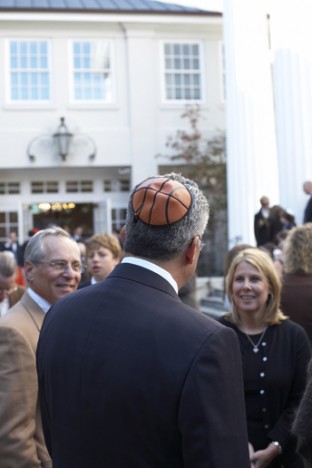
<point x="291" y="35"/>
<point x="251" y="143"/>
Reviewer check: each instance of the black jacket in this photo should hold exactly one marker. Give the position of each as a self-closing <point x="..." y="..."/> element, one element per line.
<point x="130" y="377"/>
<point x="274" y="381"/>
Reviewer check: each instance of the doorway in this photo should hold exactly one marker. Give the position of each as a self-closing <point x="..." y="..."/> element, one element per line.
<point x="66" y="215"/>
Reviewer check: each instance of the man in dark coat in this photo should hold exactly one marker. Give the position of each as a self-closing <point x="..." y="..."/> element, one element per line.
<point x="262" y="228"/>
<point x="130" y="376"/>
<point x="307" y="188"/>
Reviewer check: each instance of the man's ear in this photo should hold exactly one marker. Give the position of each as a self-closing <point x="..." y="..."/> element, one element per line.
<point x="28" y="269"/>
<point x="190" y="252"/>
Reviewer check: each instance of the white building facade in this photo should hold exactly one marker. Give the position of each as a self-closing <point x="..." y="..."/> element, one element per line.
<point x="121" y="80"/>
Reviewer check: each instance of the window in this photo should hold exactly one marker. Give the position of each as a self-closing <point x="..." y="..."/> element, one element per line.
<point x="9" y="188"/>
<point x="107" y="185"/>
<point x="118" y="185"/>
<point x="8" y="223"/>
<point x="118" y="218"/>
<point x="124" y="185"/>
<point x="182" y="71"/>
<point x="45" y="187"/>
<point x="29" y="74"/>
<point x="80" y="186"/>
<point x="92" y="71"/>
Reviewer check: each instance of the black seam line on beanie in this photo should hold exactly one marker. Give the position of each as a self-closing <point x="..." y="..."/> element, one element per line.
<point x="155" y="195"/>
<point x="138" y="211"/>
<point x="180" y="201"/>
<point x="171" y="196"/>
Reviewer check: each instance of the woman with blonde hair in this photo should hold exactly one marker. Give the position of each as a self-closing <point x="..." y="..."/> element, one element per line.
<point x="275" y="353"/>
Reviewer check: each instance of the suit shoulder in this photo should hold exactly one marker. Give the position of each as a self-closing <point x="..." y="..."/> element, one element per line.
<point x="202" y="323"/>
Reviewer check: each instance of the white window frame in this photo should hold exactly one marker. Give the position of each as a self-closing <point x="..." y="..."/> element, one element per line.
<point x="8" y="87"/>
<point x="7" y="225"/>
<point x="201" y="71"/>
<point x="91" y="102"/>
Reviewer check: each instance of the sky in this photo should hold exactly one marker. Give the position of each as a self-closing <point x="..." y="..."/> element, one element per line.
<point x="215" y="5"/>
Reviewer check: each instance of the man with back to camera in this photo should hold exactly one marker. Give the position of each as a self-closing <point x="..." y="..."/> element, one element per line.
<point x="129" y="376"/>
<point x="52" y="270"/>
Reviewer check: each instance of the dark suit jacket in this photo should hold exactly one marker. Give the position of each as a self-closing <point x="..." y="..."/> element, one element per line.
<point x="308" y="212"/>
<point x="84" y="284"/>
<point x="130" y="377"/>
<point x="262" y="228"/>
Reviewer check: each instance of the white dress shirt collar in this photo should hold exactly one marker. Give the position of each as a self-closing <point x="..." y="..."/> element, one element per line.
<point x="42" y="303"/>
<point x="152" y="267"/>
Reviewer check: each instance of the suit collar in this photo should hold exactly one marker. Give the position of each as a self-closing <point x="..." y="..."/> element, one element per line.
<point x="33" y="310"/>
<point x="143" y="276"/>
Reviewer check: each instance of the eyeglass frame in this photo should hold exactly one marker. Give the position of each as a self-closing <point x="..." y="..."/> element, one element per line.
<point x="62" y="265"/>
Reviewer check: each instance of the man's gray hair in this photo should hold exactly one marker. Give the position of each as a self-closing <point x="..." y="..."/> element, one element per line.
<point x="168" y="241"/>
<point x="8" y="265"/>
<point x="35" y="251"/>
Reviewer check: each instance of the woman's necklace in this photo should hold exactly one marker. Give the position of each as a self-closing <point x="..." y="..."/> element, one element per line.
<point x="255" y="346"/>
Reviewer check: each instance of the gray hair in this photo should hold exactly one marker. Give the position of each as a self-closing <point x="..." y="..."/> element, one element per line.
<point x="167" y="242"/>
<point x="35" y="251"/>
<point x="8" y="265"/>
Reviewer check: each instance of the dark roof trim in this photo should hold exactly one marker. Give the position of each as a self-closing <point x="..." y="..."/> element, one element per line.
<point x="112" y="12"/>
<point x="102" y="6"/>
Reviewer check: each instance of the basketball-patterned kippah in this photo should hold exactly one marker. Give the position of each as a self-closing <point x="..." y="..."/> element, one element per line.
<point x="160" y="201"/>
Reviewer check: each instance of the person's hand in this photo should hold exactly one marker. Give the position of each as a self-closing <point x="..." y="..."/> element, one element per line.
<point x="263" y="458"/>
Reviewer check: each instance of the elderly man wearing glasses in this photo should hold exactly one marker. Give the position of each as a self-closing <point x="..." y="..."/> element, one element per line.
<point x="52" y="270"/>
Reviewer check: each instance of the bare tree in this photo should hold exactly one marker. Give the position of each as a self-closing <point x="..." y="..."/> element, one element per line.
<point x="202" y="159"/>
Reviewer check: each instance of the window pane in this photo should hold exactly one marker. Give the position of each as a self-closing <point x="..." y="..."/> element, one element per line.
<point x="13" y="217"/>
<point x="195" y="49"/>
<point x="195" y="64"/>
<point x="13" y="187"/>
<point x="176" y="49"/>
<point x="186" y="64"/>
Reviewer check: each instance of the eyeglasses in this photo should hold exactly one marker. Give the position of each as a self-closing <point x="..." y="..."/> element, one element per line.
<point x="61" y="265"/>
